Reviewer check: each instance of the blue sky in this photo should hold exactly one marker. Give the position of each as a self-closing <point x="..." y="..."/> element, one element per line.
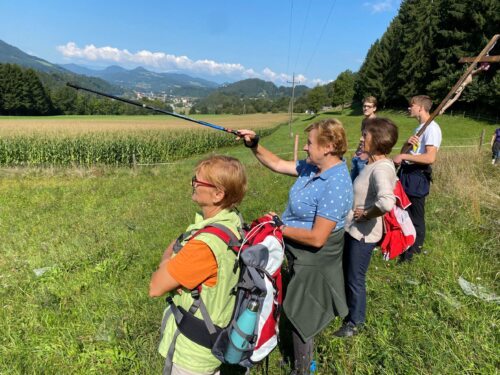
<point x="219" y="40"/>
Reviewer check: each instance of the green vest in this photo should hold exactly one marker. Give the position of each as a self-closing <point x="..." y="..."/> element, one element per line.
<point x="218" y="299"/>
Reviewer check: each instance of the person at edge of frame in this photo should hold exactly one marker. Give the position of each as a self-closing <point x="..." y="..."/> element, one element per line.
<point x="313" y="230"/>
<point x="415" y="172"/>
<point x="495" y="147"/>
<point x="360" y="158"/>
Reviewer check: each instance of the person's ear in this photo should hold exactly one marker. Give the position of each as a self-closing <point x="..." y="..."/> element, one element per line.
<point x="218" y="196"/>
<point x="328" y="148"/>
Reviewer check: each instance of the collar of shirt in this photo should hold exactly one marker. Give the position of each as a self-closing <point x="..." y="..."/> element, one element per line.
<point x="328" y="173"/>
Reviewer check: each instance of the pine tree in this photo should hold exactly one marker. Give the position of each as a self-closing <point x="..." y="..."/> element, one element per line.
<point x="419" y="21"/>
<point x="465" y="28"/>
<point x="370" y="80"/>
<point x="12" y="88"/>
<point x="37" y="99"/>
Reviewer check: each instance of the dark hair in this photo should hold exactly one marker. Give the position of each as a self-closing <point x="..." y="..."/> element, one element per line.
<point x="384" y="135"/>
<point x="331" y="131"/>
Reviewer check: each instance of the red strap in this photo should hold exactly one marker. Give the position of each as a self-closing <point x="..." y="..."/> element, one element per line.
<point x="222" y="234"/>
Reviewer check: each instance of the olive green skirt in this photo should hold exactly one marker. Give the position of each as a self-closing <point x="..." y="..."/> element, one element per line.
<point x="315" y="293"/>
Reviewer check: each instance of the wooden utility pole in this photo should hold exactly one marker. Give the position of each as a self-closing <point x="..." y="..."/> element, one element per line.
<point x="291" y="105"/>
<point x="460" y="85"/>
<point x="481" y="140"/>
<point x="296" y="148"/>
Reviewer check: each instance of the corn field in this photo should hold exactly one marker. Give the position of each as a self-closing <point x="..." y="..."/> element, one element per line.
<point x="114" y="148"/>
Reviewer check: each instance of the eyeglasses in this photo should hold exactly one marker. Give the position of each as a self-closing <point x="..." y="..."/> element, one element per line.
<point x="195" y="182"/>
<point x="367" y="106"/>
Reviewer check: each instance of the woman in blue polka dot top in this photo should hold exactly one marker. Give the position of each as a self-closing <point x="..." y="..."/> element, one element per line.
<point x="314" y="231"/>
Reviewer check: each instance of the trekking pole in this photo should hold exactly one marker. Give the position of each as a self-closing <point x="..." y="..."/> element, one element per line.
<point x="462" y="79"/>
<point x="143" y="105"/>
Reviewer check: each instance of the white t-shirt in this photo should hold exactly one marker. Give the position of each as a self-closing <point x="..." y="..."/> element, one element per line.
<point x="431" y="137"/>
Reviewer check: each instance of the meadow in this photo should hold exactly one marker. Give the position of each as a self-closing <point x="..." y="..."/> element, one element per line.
<point x="79" y="245"/>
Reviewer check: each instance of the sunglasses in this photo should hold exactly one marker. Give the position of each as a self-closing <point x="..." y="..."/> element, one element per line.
<point x="195" y="182"/>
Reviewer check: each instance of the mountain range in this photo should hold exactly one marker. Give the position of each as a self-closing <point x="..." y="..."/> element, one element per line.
<point x="118" y="80"/>
<point x="140" y="79"/>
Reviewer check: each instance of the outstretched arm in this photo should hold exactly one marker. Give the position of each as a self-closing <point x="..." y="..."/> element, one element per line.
<point x="266" y="157"/>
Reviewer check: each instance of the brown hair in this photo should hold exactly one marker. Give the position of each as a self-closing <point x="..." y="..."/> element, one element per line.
<point x="422" y="100"/>
<point x="331" y="131"/>
<point x="227" y="174"/>
<point x="371" y="100"/>
<point x="384" y="135"/>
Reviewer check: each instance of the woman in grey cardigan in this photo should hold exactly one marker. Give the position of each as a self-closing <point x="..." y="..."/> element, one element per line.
<point x="373" y="197"/>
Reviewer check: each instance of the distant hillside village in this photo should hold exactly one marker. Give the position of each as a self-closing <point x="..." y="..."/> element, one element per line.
<point x="183" y="102"/>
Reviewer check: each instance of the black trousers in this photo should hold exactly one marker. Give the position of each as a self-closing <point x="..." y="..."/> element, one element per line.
<point x="417" y="216"/>
<point x="302" y="354"/>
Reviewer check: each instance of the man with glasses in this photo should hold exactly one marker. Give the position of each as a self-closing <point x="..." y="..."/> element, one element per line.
<point x="415" y="172"/>
<point x="360" y="158"/>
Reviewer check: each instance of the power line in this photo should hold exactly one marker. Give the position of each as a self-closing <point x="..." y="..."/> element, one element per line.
<point x="320" y="36"/>
<point x="302" y="36"/>
<point x="289" y="36"/>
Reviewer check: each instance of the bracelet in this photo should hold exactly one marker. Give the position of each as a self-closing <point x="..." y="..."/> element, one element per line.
<point x="254" y="143"/>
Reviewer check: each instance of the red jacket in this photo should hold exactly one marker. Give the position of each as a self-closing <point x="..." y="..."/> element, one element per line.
<point x="399" y="232"/>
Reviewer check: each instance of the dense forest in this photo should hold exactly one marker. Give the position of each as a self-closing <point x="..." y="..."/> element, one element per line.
<point x="419" y="53"/>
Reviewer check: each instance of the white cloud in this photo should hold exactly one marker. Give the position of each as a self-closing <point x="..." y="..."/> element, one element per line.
<point x="165" y="62"/>
<point x="381" y="6"/>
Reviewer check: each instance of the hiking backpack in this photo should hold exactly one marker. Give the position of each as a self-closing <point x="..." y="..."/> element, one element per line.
<point x="260" y="254"/>
<point x="399" y="232"/>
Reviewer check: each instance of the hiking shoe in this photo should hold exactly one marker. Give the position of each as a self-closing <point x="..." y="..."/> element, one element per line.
<point x="348" y="329"/>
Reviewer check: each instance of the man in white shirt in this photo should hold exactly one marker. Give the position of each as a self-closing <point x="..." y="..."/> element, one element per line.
<point x="415" y="172"/>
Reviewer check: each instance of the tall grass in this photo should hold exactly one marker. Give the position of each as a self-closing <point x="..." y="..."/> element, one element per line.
<point x="98" y="234"/>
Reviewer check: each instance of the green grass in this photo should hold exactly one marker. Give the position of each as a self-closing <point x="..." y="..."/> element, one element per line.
<point x="102" y="231"/>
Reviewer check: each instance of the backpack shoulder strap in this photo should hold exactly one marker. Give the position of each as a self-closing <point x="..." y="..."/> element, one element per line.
<point x="224" y="233"/>
<point x="221" y="231"/>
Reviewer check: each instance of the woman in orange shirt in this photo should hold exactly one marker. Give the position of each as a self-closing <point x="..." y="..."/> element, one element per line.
<point x="201" y="268"/>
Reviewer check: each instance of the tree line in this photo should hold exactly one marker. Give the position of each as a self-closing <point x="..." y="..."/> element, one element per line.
<point x="26" y="92"/>
<point x="419" y="53"/>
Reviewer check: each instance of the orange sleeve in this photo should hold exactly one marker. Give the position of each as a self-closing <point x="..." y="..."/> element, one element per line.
<point x="193" y="265"/>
